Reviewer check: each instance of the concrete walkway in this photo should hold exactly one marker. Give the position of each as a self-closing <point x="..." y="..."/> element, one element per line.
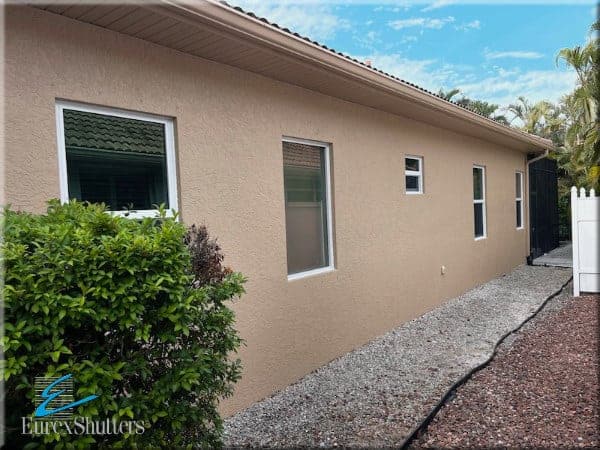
<point x="376" y="395"/>
<point x="561" y="256"/>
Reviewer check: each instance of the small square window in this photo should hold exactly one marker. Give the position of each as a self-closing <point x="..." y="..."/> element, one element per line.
<point x="413" y="171"/>
<point x="124" y="160"/>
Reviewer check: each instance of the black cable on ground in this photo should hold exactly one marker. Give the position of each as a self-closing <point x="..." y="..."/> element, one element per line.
<point x="422" y="427"/>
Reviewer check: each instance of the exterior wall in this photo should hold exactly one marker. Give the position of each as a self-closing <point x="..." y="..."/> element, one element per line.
<point x="389" y="246"/>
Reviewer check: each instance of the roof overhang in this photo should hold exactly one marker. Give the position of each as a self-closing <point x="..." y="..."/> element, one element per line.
<point x="221" y="33"/>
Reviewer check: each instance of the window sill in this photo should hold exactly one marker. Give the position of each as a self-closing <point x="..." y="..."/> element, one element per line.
<point x="480" y="238"/>
<point x="141" y="214"/>
<point x="520" y="228"/>
<point x="414" y="193"/>
<point x="310" y="273"/>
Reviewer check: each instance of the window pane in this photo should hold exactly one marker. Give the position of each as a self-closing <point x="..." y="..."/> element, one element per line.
<point x="305" y="207"/>
<point x="477" y="183"/>
<point x="518" y="184"/>
<point x="117" y="161"/>
<point x="412" y="183"/>
<point x="519" y="218"/>
<point x="412" y="164"/>
<point x="478" y="219"/>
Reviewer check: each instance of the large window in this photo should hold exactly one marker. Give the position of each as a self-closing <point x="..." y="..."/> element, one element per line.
<point x="124" y="160"/>
<point x="479" y="201"/>
<point x="413" y="173"/>
<point x="307" y="207"/>
<point x="519" y="198"/>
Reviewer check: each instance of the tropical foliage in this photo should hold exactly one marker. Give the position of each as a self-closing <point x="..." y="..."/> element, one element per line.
<point x="486" y="109"/>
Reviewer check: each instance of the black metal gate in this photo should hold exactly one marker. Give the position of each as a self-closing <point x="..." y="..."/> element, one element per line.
<point x="543" y="206"/>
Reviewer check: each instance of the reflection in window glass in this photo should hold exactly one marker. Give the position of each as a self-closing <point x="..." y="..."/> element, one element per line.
<point x="114" y="160"/>
<point x="305" y="206"/>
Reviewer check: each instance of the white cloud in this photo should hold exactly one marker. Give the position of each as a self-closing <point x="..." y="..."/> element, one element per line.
<point x="500" y="86"/>
<point x="437" y="4"/>
<point x="422" y="22"/>
<point x="473" y="25"/>
<point x="426" y="73"/>
<point x="317" y="22"/>
<point x="517" y="54"/>
<point x="505" y="86"/>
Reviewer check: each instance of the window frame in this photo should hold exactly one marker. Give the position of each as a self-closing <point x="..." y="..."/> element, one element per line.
<point x="330" y="252"/>
<point x="418" y="174"/>
<point x="520" y="199"/>
<point x="481" y="201"/>
<point x="168" y="123"/>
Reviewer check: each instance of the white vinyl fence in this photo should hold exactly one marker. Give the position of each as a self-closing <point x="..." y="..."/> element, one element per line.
<point x="585" y="223"/>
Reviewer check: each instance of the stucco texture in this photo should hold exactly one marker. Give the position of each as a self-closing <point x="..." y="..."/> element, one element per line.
<point x="389" y="246"/>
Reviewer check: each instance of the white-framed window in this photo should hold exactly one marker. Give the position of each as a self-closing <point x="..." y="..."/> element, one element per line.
<point x="123" y="159"/>
<point x="413" y="174"/>
<point x="519" y="199"/>
<point x="308" y="214"/>
<point x="479" y="202"/>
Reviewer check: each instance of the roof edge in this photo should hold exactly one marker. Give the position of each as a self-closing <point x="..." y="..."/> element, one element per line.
<point x="230" y="20"/>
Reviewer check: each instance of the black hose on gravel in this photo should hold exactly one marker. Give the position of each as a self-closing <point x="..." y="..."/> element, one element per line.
<point x="422" y="427"/>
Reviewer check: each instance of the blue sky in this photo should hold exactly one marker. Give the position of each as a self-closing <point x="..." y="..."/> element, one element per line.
<point x="491" y="50"/>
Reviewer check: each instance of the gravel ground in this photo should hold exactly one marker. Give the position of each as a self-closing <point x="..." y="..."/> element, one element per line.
<point x="540" y="391"/>
<point x="376" y="395"/>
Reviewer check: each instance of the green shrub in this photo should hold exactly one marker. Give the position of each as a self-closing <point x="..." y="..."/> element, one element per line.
<point x="564" y="216"/>
<point x="117" y="303"/>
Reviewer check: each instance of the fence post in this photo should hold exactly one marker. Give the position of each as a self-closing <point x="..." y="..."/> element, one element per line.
<point x="575" y="240"/>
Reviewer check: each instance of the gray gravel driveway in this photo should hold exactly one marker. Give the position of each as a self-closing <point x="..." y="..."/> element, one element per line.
<point x="377" y="394"/>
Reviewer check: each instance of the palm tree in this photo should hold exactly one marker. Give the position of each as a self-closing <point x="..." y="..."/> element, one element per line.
<point x="580" y="152"/>
<point x="447" y="95"/>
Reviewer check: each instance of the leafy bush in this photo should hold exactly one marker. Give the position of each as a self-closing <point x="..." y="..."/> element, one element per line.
<point x="117" y="303"/>
<point x="564" y="216"/>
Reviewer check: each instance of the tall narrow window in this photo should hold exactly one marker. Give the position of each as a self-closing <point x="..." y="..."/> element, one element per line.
<point x="519" y="198"/>
<point x="479" y="201"/>
<point x="413" y="173"/>
<point x="307" y="207"/>
<point x="122" y="159"/>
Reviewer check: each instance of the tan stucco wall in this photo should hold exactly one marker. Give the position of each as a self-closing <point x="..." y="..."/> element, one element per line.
<point x="389" y="246"/>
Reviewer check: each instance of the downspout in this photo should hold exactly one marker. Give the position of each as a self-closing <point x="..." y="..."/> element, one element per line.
<point x="537" y="158"/>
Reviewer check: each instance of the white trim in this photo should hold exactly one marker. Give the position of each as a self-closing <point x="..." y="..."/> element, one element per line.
<point x="169" y="149"/>
<point x="520" y="199"/>
<point x="310" y="273"/>
<point x="482" y="201"/>
<point x="414" y="173"/>
<point x="330" y="253"/>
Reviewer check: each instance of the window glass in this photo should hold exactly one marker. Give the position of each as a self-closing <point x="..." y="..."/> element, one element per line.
<point x="479" y="231"/>
<point x="518" y="184"/>
<point x="412" y="164"/>
<point x="114" y="160"/>
<point x="412" y="183"/>
<point x="519" y="214"/>
<point x="305" y="206"/>
<point x="477" y="183"/>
